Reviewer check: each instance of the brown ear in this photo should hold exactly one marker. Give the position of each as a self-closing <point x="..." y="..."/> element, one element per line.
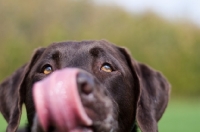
<point x="12" y="93"/>
<point x="153" y="96"/>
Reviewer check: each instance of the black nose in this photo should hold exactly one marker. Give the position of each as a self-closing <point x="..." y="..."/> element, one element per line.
<point x="85" y="83"/>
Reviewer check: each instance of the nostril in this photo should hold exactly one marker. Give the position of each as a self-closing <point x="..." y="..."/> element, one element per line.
<point x="85" y="83"/>
<point x="86" y="88"/>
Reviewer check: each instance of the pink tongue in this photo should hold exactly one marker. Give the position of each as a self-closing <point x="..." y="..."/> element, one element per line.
<point x="57" y="100"/>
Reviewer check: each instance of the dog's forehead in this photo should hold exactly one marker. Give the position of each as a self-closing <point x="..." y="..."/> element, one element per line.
<point x="75" y="47"/>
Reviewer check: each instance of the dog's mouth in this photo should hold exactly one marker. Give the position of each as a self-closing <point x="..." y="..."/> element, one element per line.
<point x="53" y="127"/>
<point x="59" y="108"/>
<point x="79" y="126"/>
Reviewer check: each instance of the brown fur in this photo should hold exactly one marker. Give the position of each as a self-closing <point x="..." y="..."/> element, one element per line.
<point x="140" y="93"/>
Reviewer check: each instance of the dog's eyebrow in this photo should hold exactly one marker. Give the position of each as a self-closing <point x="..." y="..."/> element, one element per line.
<point x="56" y="55"/>
<point x="95" y="51"/>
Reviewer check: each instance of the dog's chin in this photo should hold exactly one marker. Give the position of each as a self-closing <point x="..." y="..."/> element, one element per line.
<point x="92" y="128"/>
<point x="53" y="128"/>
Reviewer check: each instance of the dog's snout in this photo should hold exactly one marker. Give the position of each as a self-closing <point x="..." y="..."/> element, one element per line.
<point x="85" y="83"/>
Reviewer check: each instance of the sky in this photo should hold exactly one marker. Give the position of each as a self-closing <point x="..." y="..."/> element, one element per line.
<point x="170" y="9"/>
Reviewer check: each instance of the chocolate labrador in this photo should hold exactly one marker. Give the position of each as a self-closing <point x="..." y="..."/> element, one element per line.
<point x="88" y="86"/>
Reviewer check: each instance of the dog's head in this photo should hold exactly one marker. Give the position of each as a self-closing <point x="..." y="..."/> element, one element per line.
<point x="103" y="89"/>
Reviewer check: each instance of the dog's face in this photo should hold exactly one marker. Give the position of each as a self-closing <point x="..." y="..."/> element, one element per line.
<point x="105" y="65"/>
<point x="112" y="91"/>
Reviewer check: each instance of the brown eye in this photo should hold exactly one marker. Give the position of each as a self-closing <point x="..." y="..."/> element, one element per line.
<point x="106" y="68"/>
<point x="47" y="70"/>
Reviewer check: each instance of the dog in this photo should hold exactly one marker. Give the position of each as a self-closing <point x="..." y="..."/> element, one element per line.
<point x="87" y="86"/>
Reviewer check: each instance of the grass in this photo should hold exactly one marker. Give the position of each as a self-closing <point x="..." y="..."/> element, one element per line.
<point x="180" y="116"/>
<point x="3" y="123"/>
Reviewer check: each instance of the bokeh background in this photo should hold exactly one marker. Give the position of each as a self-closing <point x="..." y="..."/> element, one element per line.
<point x="167" y="42"/>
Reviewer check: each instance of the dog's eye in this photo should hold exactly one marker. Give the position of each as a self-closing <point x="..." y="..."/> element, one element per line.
<point x="107" y="68"/>
<point x="47" y="69"/>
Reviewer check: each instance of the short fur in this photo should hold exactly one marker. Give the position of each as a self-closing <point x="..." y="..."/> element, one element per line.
<point x="140" y="93"/>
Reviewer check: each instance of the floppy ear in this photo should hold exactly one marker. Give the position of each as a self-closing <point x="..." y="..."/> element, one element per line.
<point x="12" y="93"/>
<point x="153" y="97"/>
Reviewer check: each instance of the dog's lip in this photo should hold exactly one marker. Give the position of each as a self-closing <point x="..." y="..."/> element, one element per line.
<point x="91" y="113"/>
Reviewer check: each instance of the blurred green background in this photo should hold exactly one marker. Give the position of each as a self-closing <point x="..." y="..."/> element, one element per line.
<point x="170" y="47"/>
